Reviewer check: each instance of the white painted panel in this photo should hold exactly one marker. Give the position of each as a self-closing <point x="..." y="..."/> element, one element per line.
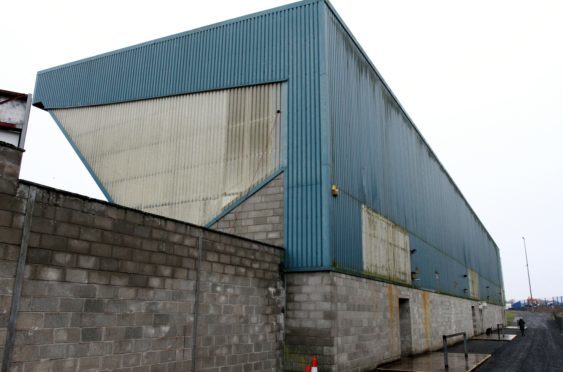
<point x="473" y="283"/>
<point x="11" y="137"/>
<point x="386" y="248"/>
<point x="13" y="109"/>
<point x="184" y="157"/>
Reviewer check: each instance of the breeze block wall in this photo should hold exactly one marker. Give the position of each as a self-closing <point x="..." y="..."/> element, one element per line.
<point x="354" y="324"/>
<point x="260" y="217"/>
<point x="109" y="288"/>
<point x="11" y="220"/>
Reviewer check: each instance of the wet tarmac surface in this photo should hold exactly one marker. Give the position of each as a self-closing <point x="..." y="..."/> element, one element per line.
<point x="435" y="362"/>
<point x="495" y="337"/>
<point x="540" y="349"/>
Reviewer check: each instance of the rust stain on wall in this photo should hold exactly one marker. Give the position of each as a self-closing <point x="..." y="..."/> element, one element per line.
<point x="390" y="298"/>
<point x="426" y="318"/>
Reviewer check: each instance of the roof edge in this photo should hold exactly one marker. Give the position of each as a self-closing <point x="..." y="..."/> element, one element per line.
<point x="372" y="65"/>
<point x="293" y="5"/>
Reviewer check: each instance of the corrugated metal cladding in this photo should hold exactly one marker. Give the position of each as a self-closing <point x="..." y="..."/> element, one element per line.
<point x="379" y="159"/>
<point x="276" y="45"/>
<point x="385" y="246"/>
<point x="343" y="127"/>
<point x="185" y="157"/>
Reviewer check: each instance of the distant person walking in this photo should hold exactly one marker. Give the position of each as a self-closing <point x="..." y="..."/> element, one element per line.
<point x="522" y="325"/>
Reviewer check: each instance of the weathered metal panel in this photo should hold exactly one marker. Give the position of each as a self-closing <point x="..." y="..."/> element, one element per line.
<point x="276" y="45"/>
<point x="344" y="126"/>
<point x="13" y="108"/>
<point x="185" y="157"/>
<point x="344" y="251"/>
<point x="473" y="284"/>
<point x="380" y="159"/>
<point x="385" y="248"/>
<point x="258" y="48"/>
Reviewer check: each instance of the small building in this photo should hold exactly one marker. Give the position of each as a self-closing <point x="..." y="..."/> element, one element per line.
<point x="14" y="115"/>
<point x="276" y="126"/>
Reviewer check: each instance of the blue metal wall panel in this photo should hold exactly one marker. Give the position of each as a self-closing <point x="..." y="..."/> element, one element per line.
<point x="242" y="52"/>
<point x="344" y="126"/>
<point x="380" y="159"/>
<point x="277" y="45"/>
<point x="345" y="253"/>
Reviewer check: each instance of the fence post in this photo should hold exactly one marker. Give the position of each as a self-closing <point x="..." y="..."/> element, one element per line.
<point x="445" y="342"/>
<point x="499" y="329"/>
<point x="465" y="346"/>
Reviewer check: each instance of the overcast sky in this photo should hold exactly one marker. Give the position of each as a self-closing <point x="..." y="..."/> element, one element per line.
<point x="482" y="80"/>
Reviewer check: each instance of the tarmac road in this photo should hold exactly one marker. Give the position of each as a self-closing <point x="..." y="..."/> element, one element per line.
<point x="541" y="349"/>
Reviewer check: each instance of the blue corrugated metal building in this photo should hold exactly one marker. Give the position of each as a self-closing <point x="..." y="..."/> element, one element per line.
<point x="344" y="129"/>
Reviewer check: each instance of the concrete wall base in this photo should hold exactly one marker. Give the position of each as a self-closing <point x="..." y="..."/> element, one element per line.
<point x="356" y="324"/>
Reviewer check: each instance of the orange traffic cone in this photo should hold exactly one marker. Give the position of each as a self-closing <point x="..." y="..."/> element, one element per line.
<point x="308" y="369"/>
<point x="314" y="363"/>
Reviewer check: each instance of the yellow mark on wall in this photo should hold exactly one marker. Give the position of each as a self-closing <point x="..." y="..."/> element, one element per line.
<point x="426" y="318"/>
<point x="391" y="299"/>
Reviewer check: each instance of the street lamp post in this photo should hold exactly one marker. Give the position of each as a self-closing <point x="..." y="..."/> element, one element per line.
<point x="527" y="268"/>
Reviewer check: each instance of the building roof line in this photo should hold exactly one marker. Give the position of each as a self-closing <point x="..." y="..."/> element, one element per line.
<point x="194" y="31"/>
<point x="372" y="65"/>
<point x="290" y="6"/>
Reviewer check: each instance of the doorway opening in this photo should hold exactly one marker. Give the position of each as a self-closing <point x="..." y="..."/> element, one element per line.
<point x="405" y="327"/>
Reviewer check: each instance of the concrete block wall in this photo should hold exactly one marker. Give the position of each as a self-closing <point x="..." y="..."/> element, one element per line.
<point x="109" y="288"/>
<point x="435" y="315"/>
<point x="260" y="217"/>
<point x="11" y="220"/>
<point x="240" y="320"/>
<point x="310" y="321"/>
<point x="367" y="321"/>
<point x="10" y="160"/>
<point x="354" y="324"/>
<point x="491" y="317"/>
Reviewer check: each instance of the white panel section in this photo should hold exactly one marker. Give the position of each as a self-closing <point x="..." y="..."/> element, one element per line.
<point x="184" y="157"/>
<point x="11" y="137"/>
<point x="13" y="109"/>
<point x="386" y="247"/>
<point x="473" y="283"/>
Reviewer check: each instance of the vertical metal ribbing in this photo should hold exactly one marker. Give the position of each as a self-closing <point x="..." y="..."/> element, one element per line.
<point x="18" y="281"/>
<point x="381" y="160"/>
<point x="189" y="143"/>
<point x="277" y="45"/>
<point x="196" y="301"/>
